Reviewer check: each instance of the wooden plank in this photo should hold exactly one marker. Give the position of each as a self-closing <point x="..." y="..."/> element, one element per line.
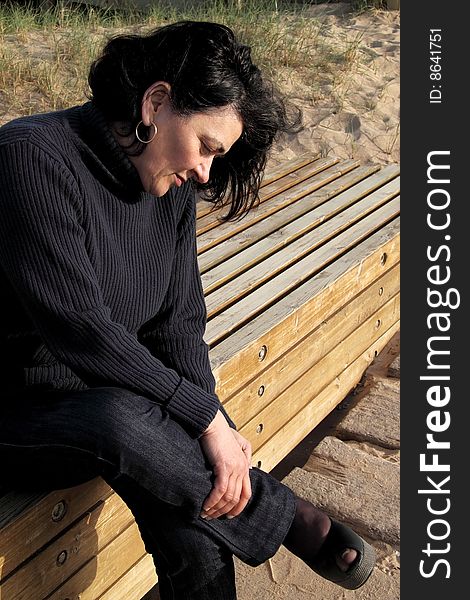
<point x="140" y="579"/>
<point x="228" y="229"/>
<point x="203" y="207"/>
<point x="274" y="172"/>
<point x="296" y="360"/>
<point x="297" y="219"/>
<point x="293" y="432"/>
<point x="309" y="172"/>
<point x="257" y="301"/>
<point x="56" y="562"/>
<point x="236" y="359"/>
<point x="292" y="400"/>
<point x="12" y="504"/>
<point x="113" y="571"/>
<point x="28" y="530"/>
<point x="260" y="269"/>
<point x="271" y="173"/>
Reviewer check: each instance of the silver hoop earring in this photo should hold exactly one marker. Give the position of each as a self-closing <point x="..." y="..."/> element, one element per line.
<point x="155" y="131"/>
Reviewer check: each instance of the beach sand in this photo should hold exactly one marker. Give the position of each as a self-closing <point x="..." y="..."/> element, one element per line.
<point x="356" y="116"/>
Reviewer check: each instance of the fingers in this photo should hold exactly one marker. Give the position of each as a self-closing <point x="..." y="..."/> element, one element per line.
<point x="229" y="496"/>
<point x="229" y="453"/>
<point x="214" y="499"/>
<point x="231" y="503"/>
<point x="227" y="501"/>
<point x="245" y="496"/>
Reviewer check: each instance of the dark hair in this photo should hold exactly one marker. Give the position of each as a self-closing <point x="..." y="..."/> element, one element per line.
<point x="206" y="68"/>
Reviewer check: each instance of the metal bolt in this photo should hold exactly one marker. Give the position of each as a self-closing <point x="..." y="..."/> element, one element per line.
<point x="258" y="464"/>
<point x="59" y="510"/>
<point x="383" y="258"/>
<point x="62" y="558"/>
<point x="378" y="323"/>
<point x="261" y="390"/>
<point x="381" y="291"/>
<point x="260" y="428"/>
<point x="262" y="353"/>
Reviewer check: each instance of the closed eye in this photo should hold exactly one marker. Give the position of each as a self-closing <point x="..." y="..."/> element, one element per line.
<point x="206" y="150"/>
<point x="212" y="147"/>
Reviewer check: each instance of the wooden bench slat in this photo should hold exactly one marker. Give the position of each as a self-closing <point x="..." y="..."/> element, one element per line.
<point x="277" y="187"/>
<point x="42" y="574"/>
<point x="12" y="504"/>
<point x="224" y="286"/>
<point x="255" y="302"/>
<point x="141" y="578"/>
<point x="211" y="220"/>
<point x="270" y="175"/>
<point x="229" y="229"/>
<point x="308" y="385"/>
<point x="279" y="375"/>
<point x="102" y="572"/>
<point x="32" y="526"/>
<point x="236" y="360"/>
<point x="284" y="168"/>
<point x="358" y="183"/>
<point x="293" y="432"/>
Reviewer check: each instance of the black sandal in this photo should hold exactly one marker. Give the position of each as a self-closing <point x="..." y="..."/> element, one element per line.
<point x="340" y="538"/>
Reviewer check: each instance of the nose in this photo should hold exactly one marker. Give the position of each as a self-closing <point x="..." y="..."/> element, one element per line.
<point x="203" y="169"/>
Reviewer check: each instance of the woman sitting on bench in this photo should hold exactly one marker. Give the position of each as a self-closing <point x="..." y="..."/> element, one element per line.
<point x="105" y="370"/>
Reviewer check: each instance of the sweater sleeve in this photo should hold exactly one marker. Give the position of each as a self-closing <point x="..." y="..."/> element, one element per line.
<point x="176" y="335"/>
<point x="43" y="252"/>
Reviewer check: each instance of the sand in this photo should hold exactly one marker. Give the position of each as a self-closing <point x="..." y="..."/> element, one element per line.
<point x="351" y="112"/>
<point x="358" y="116"/>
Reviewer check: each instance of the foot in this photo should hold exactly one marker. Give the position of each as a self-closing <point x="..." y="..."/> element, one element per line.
<point x="308" y="531"/>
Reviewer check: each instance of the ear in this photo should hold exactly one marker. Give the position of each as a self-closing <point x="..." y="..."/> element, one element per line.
<point x="154" y="97"/>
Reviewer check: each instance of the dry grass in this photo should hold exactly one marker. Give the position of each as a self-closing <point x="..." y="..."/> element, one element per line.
<point x="45" y="53"/>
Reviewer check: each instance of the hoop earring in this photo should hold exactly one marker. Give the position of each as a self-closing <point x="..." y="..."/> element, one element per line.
<point x="138" y="136"/>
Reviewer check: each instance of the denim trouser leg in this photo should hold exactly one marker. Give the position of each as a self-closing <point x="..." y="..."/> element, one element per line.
<point x="191" y="565"/>
<point x="65" y="438"/>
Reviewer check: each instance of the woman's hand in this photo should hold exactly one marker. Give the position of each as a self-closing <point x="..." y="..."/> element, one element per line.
<point x="229" y="453"/>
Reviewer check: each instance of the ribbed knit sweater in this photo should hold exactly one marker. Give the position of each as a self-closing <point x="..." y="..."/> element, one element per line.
<point x="99" y="283"/>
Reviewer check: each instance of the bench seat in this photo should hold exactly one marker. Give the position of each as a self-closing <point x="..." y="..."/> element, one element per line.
<point x="301" y="294"/>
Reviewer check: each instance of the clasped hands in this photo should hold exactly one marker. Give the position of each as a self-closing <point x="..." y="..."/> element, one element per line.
<point x="229" y="454"/>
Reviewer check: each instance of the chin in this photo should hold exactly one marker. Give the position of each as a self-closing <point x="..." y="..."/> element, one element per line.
<point x="159" y="190"/>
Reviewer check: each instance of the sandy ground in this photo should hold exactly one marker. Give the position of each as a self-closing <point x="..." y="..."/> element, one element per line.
<point x="358" y="115"/>
<point x="353" y="113"/>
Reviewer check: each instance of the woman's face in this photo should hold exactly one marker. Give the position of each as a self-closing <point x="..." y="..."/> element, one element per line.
<point x="184" y="147"/>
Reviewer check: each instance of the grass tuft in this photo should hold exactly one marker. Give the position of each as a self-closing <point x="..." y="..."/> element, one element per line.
<point x="46" y="49"/>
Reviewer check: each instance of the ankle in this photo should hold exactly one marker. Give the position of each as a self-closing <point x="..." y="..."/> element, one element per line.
<point x="308" y="531"/>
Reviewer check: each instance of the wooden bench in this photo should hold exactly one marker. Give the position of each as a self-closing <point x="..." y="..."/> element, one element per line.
<point x="302" y="294"/>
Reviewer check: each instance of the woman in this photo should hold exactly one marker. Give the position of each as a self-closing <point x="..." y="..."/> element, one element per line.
<point x="106" y="370"/>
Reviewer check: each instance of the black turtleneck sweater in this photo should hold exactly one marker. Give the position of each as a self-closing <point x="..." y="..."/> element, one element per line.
<point x="99" y="283"/>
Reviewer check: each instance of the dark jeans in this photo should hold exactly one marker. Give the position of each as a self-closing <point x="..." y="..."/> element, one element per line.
<point x="66" y="438"/>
